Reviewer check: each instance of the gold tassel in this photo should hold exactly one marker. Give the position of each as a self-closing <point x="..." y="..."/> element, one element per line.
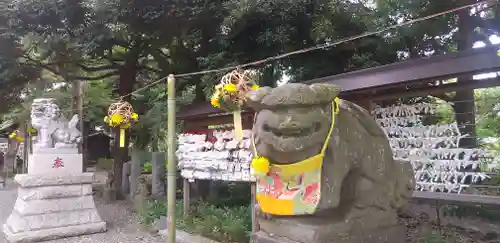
<point x="238" y="126"/>
<point x="122" y="138"/>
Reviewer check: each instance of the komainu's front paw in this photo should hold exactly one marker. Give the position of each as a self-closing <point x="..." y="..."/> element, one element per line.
<point x="261" y="214"/>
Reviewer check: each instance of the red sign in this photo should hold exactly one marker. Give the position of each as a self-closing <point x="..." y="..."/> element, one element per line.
<point x="58" y="163"/>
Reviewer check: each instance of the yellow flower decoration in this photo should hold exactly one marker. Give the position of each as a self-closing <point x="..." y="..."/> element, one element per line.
<point x="255" y="87"/>
<point x="13" y="135"/>
<point x="260" y="165"/>
<point x="231" y="88"/>
<point x="135" y="116"/>
<point x="215" y="102"/>
<point x="116" y="119"/>
<point x="16" y="136"/>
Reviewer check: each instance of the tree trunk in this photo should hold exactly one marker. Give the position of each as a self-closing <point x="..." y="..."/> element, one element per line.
<point x="126" y="85"/>
<point x="11" y="154"/>
<point x="77" y="108"/>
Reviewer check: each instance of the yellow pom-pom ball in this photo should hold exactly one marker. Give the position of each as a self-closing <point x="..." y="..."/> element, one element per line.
<point x="231" y="88"/>
<point x="255" y="87"/>
<point x="260" y="165"/>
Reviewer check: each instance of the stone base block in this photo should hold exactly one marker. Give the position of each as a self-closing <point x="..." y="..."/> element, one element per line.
<point x="374" y="227"/>
<point x="53" y="233"/>
<point x="382" y="235"/>
<point x="43" y="164"/>
<point x="53" y="206"/>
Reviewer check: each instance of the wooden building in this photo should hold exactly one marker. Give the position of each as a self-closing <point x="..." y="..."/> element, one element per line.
<point x="98" y="146"/>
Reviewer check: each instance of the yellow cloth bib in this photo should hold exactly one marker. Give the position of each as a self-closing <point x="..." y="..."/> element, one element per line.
<point x="294" y="189"/>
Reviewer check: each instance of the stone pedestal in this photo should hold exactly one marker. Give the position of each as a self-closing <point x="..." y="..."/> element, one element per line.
<point x="53" y="206"/>
<point x="385" y="235"/>
<point x="54" y="200"/>
<point x="381" y="228"/>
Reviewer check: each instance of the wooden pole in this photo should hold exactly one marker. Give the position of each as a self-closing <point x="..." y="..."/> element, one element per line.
<point x="186" y="196"/>
<point x="27" y="139"/>
<point x="172" y="161"/>
<point x="255" y="224"/>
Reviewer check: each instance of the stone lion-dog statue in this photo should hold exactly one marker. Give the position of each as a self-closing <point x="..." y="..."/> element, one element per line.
<point x="332" y="175"/>
<point x="54" y="130"/>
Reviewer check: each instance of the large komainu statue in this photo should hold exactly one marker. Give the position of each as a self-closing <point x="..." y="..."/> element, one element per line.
<point x="332" y="175"/>
<point x="54" y="130"/>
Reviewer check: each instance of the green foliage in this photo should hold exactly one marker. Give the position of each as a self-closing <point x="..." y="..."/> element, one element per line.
<point x="225" y="224"/>
<point x="125" y="46"/>
<point x="230" y="194"/>
<point x="147" y="168"/>
<point x="445" y="114"/>
<point x="487" y="119"/>
<point x="480" y="211"/>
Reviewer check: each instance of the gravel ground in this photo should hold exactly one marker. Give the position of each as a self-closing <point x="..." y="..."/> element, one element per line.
<point x="123" y="226"/>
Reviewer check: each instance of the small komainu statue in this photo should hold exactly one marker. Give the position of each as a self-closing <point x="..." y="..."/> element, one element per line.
<point x="332" y="177"/>
<point x="54" y="130"/>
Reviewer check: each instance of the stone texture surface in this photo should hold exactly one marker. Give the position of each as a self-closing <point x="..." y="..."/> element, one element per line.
<point x="54" y="233"/>
<point x="47" y="206"/>
<point x="125" y="178"/>
<point x="122" y="224"/>
<point x="184" y="237"/>
<point x="158" y="184"/>
<point x="381" y="226"/>
<point x="380" y="235"/>
<point x="22" y="223"/>
<point x="44" y="163"/>
<point x="135" y="173"/>
<point x="27" y="180"/>
<point x="50" y="192"/>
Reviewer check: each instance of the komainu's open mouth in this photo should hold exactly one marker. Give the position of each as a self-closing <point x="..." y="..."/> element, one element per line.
<point x="293" y="132"/>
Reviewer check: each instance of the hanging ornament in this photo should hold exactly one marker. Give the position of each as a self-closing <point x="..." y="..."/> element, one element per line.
<point x="230" y="93"/>
<point x="17" y="136"/>
<point x="121" y="115"/>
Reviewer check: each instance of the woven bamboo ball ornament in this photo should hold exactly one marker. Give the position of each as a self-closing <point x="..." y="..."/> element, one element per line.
<point x="230" y="94"/>
<point x="121" y="114"/>
<point x="121" y="111"/>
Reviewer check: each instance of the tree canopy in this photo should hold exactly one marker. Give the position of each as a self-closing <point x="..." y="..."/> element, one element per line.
<point x="117" y="46"/>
